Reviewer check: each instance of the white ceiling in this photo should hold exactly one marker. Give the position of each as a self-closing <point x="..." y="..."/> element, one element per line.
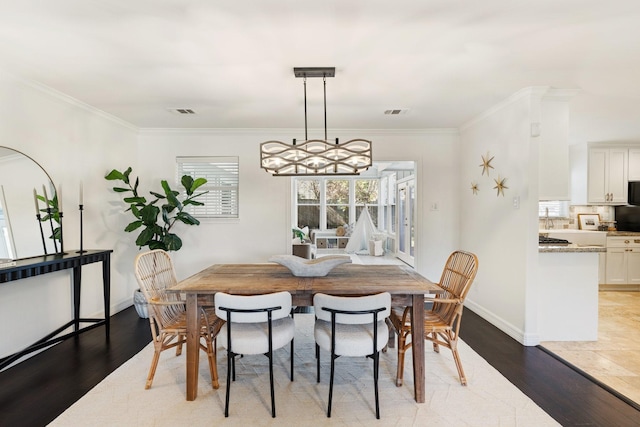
<point x="231" y="61"/>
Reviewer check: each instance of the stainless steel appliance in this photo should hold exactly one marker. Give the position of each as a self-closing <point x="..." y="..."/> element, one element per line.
<point x="628" y="218"/>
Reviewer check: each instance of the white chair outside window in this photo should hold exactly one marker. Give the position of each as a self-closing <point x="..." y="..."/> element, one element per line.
<point x="354" y="327"/>
<point x="256" y="324"/>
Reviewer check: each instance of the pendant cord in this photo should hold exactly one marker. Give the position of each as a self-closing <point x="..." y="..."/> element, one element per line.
<point x="324" y="80"/>
<point x="306" y="138"/>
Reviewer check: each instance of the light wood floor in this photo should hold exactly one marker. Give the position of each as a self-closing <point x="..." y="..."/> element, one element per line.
<point x="615" y="358"/>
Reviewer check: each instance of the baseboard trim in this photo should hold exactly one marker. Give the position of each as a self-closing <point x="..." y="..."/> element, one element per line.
<point x="506" y="327"/>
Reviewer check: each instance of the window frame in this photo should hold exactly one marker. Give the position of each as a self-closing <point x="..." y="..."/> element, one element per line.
<point x="221" y="201"/>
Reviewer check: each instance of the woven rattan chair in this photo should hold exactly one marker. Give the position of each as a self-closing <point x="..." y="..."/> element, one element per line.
<point x="352" y="327"/>
<point x="442" y="320"/>
<point x="167" y="313"/>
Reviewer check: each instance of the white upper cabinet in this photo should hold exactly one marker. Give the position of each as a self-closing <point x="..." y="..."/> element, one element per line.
<point x="607" y="176"/>
<point x="634" y="164"/>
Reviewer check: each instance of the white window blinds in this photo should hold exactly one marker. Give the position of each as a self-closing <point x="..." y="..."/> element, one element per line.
<point x="557" y="209"/>
<point x="222" y="175"/>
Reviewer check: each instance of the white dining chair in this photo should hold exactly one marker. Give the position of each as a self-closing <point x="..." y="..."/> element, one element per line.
<point x="256" y="324"/>
<point x="351" y="326"/>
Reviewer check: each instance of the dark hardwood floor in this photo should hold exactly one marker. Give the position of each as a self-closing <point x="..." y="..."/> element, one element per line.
<point x="37" y="390"/>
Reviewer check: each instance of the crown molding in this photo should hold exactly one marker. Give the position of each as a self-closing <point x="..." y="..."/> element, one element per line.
<point x="67" y="99"/>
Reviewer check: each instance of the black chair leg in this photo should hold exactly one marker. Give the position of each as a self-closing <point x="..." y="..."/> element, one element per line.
<point x="376" y="359"/>
<point x="226" y="399"/>
<point x="318" y="362"/>
<point x="273" y="397"/>
<point x="333" y="363"/>
<point x="291" y="360"/>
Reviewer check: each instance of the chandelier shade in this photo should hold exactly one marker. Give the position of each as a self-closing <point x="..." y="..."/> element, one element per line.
<point x="315" y="156"/>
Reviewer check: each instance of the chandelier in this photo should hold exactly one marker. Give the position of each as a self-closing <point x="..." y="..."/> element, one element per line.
<point x="315" y="156"/>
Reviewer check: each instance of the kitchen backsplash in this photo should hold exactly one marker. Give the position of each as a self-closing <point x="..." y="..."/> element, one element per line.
<point x="607" y="213"/>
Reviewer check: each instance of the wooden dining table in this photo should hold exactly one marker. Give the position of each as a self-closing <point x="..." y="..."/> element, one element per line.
<point x="406" y="286"/>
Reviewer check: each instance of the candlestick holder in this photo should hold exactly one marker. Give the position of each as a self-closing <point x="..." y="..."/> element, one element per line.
<point x="81" y="251"/>
<point x="44" y="244"/>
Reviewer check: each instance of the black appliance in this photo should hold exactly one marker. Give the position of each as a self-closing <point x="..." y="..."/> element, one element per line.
<point x="634" y="193"/>
<point x="628" y="218"/>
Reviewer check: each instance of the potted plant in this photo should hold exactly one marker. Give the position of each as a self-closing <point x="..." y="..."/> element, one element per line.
<point x="157" y="221"/>
<point x="157" y="216"/>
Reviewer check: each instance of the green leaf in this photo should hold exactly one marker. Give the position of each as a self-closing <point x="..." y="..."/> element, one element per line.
<point x="126" y="174"/>
<point x="135" y="200"/>
<point x="120" y="189"/>
<point x="187" y="183"/>
<point x="187" y="219"/>
<point x="172" y="242"/>
<point x="144" y="237"/>
<point x="193" y="202"/>
<point x="199" y="182"/>
<point x="135" y="211"/>
<point x="149" y="214"/>
<point x="154" y="244"/>
<point x="115" y="174"/>
<point x="157" y="195"/>
<point x="133" y="226"/>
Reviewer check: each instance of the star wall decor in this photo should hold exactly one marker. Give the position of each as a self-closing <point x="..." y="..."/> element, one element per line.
<point x="500" y="187"/>
<point x="486" y="163"/>
<point x="474" y="187"/>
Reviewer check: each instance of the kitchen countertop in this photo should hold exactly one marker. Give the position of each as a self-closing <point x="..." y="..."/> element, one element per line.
<point x="572" y="248"/>
<point x="623" y="233"/>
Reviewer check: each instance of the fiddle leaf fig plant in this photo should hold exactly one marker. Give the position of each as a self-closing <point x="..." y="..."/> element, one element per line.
<point x="157" y="216"/>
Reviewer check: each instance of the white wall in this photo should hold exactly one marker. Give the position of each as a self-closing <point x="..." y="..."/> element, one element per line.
<point x="263" y="228"/>
<point x="504" y="237"/>
<point x="74" y="143"/>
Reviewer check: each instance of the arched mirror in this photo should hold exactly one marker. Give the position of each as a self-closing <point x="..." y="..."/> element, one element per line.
<point x="23" y="183"/>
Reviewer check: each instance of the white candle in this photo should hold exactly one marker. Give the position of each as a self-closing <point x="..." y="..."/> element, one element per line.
<point x="81" y="193"/>
<point x="59" y="194"/>
<point x="46" y="199"/>
<point x="35" y="200"/>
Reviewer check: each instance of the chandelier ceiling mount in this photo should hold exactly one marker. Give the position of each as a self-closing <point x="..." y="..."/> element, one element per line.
<point x="315" y="156"/>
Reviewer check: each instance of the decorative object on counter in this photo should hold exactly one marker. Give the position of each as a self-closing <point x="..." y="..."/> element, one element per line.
<point x="500" y="187"/>
<point x="318" y="267"/>
<point x="156" y="233"/>
<point x="589" y="221"/>
<point x="315" y="156"/>
<point x="486" y="163"/>
<point x="53" y="214"/>
<point x="474" y="187"/>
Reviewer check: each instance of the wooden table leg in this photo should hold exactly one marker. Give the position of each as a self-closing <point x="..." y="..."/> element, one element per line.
<point x="417" y="346"/>
<point x="193" y="350"/>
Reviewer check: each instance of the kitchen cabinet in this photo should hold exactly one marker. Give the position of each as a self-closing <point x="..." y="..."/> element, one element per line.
<point x="634" y="164"/>
<point x="607" y="176"/>
<point x="623" y="260"/>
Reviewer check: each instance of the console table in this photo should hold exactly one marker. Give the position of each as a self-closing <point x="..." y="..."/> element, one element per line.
<point x="35" y="266"/>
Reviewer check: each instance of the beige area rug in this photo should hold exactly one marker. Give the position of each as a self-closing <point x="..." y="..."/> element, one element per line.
<point x="488" y="400"/>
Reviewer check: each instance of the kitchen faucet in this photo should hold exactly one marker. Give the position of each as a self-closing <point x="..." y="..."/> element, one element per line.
<point x="548" y="222"/>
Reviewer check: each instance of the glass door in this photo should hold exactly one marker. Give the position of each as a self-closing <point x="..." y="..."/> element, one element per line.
<point x="406" y="221"/>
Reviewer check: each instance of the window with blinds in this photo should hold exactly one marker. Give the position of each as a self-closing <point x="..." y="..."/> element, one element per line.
<point x="557" y="209"/>
<point x="222" y="175"/>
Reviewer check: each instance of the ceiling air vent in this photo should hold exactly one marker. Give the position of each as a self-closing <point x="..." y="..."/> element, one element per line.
<point x="396" y="111"/>
<point x="185" y="111"/>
